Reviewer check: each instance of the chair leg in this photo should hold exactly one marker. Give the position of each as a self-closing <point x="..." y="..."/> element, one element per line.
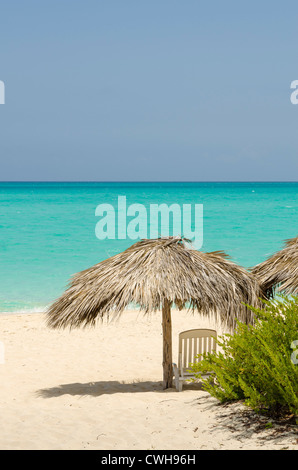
<point x="176" y="374"/>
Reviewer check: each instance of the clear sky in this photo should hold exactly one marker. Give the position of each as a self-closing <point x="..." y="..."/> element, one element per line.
<point x="147" y="90"/>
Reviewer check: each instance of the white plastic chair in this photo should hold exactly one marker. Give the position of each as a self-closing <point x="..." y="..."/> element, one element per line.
<point x="192" y="343"/>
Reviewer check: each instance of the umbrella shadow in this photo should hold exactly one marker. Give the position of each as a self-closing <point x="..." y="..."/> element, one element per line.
<point x="110" y="387"/>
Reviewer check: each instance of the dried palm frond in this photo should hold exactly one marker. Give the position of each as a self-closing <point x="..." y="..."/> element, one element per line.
<point x="279" y="273"/>
<point x="152" y="272"/>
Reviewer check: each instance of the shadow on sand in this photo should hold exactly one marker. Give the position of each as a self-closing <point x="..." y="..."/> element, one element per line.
<point x="234" y="419"/>
<point x="96" y="389"/>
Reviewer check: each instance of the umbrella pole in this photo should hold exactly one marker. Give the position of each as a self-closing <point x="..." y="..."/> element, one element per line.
<point x="167" y="345"/>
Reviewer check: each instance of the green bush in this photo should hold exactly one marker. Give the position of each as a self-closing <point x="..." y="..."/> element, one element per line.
<point x="257" y="363"/>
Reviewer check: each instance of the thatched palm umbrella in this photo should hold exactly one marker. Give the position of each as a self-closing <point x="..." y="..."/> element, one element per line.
<point x="157" y="274"/>
<point x="279" y="273"/>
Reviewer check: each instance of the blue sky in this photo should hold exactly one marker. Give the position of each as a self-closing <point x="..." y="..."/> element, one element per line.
<point x="158" y="90"/>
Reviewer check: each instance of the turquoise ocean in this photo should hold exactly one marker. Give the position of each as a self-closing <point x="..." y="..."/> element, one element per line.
<point x="47" y="230"/>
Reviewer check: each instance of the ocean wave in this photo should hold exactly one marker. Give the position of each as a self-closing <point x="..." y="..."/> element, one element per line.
<point x="24" y="310"/>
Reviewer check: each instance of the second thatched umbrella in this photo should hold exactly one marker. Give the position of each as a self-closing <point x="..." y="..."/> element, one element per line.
<point x="279" y="273"/>
<point x="156" y="274"/>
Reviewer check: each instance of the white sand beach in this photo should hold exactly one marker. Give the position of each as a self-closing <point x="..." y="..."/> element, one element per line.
<point x="101" y="388"/>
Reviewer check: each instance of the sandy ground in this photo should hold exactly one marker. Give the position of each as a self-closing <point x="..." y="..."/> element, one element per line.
<point x="101" y="388"/>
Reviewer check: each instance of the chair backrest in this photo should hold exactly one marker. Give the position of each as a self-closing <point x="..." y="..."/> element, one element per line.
<point x="194" y="342"/>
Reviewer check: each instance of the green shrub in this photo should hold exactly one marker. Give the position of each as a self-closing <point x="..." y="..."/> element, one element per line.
<point x="257" y="363"/>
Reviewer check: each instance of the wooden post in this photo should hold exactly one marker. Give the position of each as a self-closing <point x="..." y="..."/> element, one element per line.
<point x="167" y="345"/>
